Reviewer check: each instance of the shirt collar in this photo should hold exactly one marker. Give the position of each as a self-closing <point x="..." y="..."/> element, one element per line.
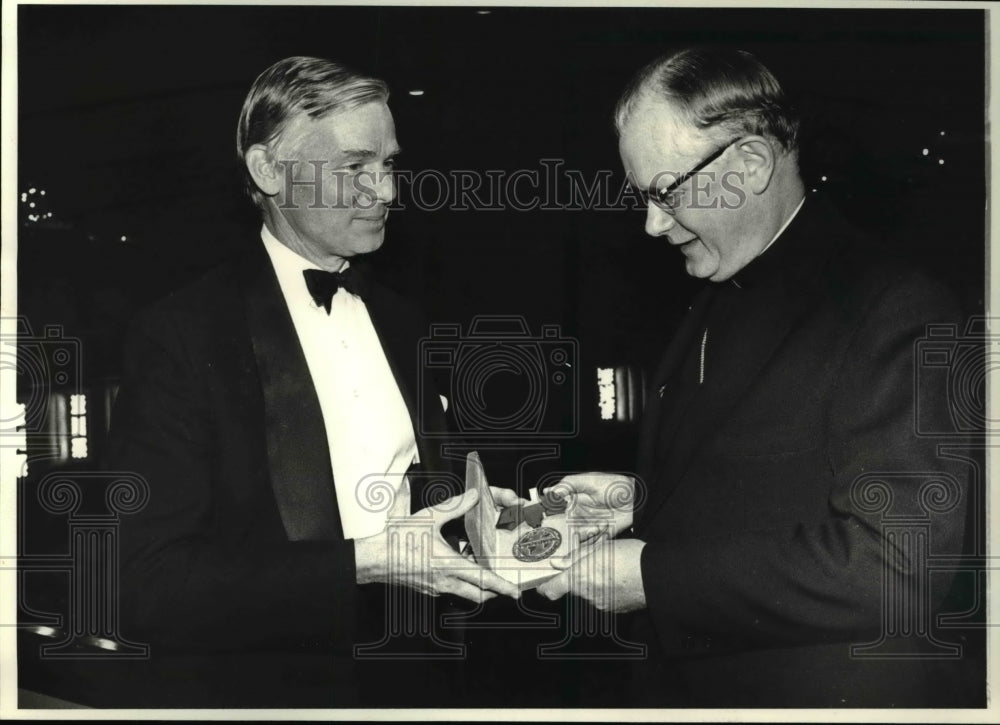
<point x="288" y="266"/>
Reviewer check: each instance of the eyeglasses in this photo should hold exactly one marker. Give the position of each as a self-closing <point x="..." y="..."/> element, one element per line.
<point x="668" y="198"/>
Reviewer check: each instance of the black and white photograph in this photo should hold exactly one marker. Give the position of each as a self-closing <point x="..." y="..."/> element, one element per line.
<point x="497" y="362"/>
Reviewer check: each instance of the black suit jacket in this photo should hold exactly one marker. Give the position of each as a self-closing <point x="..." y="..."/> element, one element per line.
<point x="240" y="546"/>
<point x="767" y="547"/>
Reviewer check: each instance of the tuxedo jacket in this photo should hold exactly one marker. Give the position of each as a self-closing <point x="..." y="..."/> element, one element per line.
<point x="778" y="451"/>
<point x="240" y="545"/>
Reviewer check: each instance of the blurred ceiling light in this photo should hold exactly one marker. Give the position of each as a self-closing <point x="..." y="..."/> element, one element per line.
<point x="416" y="92"/>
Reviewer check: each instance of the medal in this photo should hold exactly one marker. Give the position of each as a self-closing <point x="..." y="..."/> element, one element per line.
<point x="537" y="544"/>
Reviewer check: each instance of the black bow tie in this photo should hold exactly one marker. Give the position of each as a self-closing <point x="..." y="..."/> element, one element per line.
<point x="324" y="285"/>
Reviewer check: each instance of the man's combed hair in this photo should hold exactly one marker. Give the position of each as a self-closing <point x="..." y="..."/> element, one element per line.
<point x="717" y="88"/>
<point x="295" y="85"/>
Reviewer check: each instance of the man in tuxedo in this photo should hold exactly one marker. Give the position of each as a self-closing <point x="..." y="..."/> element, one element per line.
<point x="271" y="407"/>
<point x="779" y="447"/>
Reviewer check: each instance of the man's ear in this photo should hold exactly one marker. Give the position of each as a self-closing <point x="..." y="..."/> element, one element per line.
<point x="758" y="156"/>
<point x="263" y="170"/>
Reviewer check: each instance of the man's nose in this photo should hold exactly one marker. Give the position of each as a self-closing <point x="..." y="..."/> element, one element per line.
<point x="376" y="187"/>
<point x="385" y="188"/>
<point x="658" y="222"/>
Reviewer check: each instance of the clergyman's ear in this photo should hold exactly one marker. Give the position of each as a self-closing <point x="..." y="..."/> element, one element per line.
<point x="758" y="157"/>
<point x="263" y="169"/>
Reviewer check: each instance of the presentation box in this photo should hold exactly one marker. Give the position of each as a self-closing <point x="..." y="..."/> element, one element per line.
<point x="516" y="543"/>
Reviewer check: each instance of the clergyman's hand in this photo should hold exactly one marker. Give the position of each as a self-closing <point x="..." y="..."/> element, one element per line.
<point x="506" y="497"/>
<point x="411" y="552"/>
<point x="597" y="503"/>
<point x="607" y="574"/>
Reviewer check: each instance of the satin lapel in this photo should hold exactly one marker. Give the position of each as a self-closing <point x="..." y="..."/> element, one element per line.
<point x="400" y="331"/>
<point x="658" y="396"/>
<point x="297" y="450"/>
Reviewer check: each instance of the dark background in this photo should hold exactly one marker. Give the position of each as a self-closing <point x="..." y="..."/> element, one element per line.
<point x="127" y="120"/>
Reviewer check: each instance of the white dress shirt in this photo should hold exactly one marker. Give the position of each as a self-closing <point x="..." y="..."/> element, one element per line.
<point x="368" y="426"/>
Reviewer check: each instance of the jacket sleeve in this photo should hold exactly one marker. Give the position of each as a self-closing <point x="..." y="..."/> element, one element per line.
<point x="823" y="580"/>
<point x="186" y="582"/>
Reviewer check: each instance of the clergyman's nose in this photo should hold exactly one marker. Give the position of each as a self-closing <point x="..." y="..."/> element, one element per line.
<point x="658" y="222"/>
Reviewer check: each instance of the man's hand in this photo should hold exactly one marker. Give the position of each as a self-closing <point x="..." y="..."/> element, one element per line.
<point x="597" y="503"/>
<point x="606" y="574"/>
<point x="411" y="552"/>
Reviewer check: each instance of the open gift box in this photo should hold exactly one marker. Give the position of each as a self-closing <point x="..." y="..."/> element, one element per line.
<point x="517" y="543"/>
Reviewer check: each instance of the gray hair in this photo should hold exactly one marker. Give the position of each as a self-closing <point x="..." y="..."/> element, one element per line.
<point x="723" y="89"/>
<point x="295" y="85"/>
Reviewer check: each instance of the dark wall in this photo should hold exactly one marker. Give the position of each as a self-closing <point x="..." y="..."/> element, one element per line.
<point x="127" y="119"/>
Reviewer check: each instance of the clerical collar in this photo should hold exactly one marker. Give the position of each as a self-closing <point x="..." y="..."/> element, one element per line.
<point x="784" y="226"/>
<point x="746" y="275"/>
